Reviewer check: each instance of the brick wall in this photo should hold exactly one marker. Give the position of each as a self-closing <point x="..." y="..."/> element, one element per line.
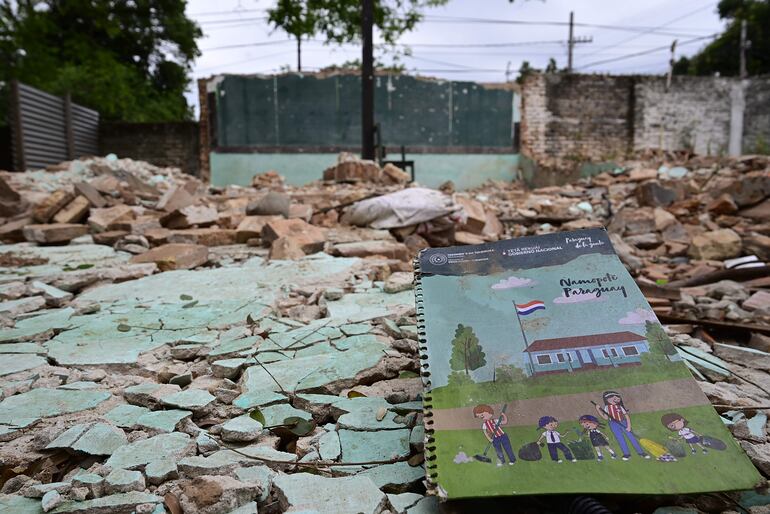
<point x="569" y="120"/>
<point x="756" y="120"/>
<point x="576" y="118"/>
<point x="162" y="144"/>
<point x="693" y="114"/>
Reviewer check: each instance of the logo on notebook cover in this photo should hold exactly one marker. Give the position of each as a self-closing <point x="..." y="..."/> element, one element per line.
<point x="437" y="259"/>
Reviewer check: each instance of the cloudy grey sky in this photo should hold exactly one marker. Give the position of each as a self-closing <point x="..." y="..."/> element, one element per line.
<point x="467" y="39"/>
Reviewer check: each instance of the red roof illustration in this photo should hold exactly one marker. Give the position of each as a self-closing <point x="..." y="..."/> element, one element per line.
<point x="563" y="343"/>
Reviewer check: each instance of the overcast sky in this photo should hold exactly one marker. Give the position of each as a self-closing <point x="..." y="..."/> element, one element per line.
<point x="470" y="47"/>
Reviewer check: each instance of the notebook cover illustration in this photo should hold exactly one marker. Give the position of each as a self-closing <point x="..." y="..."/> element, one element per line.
<point x="546" y="371"/>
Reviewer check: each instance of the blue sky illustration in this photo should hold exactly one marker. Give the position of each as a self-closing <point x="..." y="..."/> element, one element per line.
<point x="485" y="302"/>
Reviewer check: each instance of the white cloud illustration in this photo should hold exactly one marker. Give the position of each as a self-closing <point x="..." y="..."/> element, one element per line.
<point x="511" y="282"/>
<point x="638" y="317"/>
<point x="579" y="298"/>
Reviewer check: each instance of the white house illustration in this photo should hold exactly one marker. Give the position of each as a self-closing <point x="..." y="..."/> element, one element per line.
<point x="567" y="354"/>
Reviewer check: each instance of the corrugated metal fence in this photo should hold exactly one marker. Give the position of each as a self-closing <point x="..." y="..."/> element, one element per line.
<point x="48" y="129"/>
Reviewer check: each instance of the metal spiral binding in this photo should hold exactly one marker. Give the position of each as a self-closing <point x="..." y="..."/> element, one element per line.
<point x="431" y="469"/>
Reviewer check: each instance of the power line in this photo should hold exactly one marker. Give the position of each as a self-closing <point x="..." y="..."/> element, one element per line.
<point x="636" y="36"/>
<point x="651" y="30"/>
<point x="220" y="13"/>
<point x="645" y="52"/>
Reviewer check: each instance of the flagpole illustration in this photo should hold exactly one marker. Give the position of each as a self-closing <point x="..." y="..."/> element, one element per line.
<point x="526" y="343"/>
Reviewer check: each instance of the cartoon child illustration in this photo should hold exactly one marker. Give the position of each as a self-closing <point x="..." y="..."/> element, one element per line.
<point x="598" y="440"/>
<point x="553" y="439"/>
<point x="619" y="421"/>
<point x="494" y="433"/>
<point x="677" y="423"/>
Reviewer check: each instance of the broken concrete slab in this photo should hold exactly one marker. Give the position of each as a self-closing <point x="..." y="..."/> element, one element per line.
<point x="242" y="429"/>
<point x="313" y="371"/>
<point x="123" y="503"/>
<point x="53" y="296"/>
<point x="397" y="477"/>
<point x="43" y="403"/>
<point x="163" y="447"/>
<point x="158" y="472"/>
<point x="346" y="495"/>
<point x="373" y="446"/>
<point x="13" y="363"/>
<point x="123" y="481"/>
<point x="101" y="220"/>
<point x="195" y="400"/>
<point x="90" y="438"/>
<point x="389" y="249"/>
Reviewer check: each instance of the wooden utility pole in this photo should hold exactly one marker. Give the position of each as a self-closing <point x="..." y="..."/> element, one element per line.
<point x="744" y="46"/>
<point x="570" y="41"/>
<point x="367" y="81"/>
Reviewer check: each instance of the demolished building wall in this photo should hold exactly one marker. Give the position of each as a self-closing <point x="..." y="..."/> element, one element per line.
<point x="570" y="120"/>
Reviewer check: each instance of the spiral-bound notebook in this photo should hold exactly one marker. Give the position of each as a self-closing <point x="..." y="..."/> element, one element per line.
<point x="546" y="371"/>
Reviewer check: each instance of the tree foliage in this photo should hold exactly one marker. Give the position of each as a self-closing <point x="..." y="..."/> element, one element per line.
<point x="128" y="60"/>
<point x="722" y="55"/>
<point x="467" y="353"/>
<point x="339" y="21"/>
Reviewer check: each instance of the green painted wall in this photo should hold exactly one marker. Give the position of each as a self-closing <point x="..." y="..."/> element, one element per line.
<point x="432" y="170"/>
<point x="296" y="110"/>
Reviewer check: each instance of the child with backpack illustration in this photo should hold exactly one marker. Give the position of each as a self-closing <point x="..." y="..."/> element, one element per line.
<point x="598" y="440"/>
<point x="553" y="439"/>
<point x="677" y="423"/>
<point x="619" y="422"/>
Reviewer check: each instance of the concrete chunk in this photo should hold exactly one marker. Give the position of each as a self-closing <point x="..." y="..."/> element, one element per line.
<point x="74" y="211"/>
<point x="90" y="193"/>
<point x="347" y="495"/>
<point x="174" y="256"/>
<point x="101" y="220"/>
<point x="93" y="439"/>
<point x="53" y="203"/>
<point x="308" y="237"/>
<point x="54" y="233"/>
<point x="123" y="481"/>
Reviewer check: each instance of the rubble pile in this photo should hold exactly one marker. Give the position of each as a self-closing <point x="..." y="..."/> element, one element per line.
<point x="167" y="345"/>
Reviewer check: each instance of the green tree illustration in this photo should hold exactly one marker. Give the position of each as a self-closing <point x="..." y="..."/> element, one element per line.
<point x="658" y="340"/>
<point x="467" y="353"/>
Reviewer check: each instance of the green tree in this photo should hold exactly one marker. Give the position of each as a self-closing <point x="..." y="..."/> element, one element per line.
<point x="339" y="21"/>
<point x="721" y="55"/>
<point x="458" y="378"/>
<point x="128" y="60"/>
<point x="525" y="71"/>
<point x="467" y="353"/>
<point x="552" y="66"/>
<point x="658" y="340"/>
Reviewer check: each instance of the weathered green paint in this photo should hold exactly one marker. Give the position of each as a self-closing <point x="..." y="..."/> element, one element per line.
<point x="303" y="110"/>
<point x="431" y="170"/>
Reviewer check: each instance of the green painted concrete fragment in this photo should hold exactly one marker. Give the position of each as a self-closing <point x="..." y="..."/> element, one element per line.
<point x="346" y="495"/>
<point x="162" y="420"/>
<point x="29" y="328"/>
<point x="123" y="502"/>
<point x="394" y="476"/>
<point x="261" y="475"/>
<point x="93" y="439"/>
<point x="308" y="372"/>
<point x="275" y="414"/>
<point x="14" y="363"/>
<point x="126" y="416"/>
<point x="329" y="446"/>
<point x="22" y="348"/>
<point x="14" y="504"/>
<point x="403" y="501"/>
<point x="248" y="508"/>
<point x="363" y="412"/>
<point x="357" y="307"/>
<point x="159" y="471"/>
<point x="428" y="505"/>
<point x="43" y="403"/>
<point x="373" y="446"/>
<point x="192" y="399"/>
<point x="160" y="447"/>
